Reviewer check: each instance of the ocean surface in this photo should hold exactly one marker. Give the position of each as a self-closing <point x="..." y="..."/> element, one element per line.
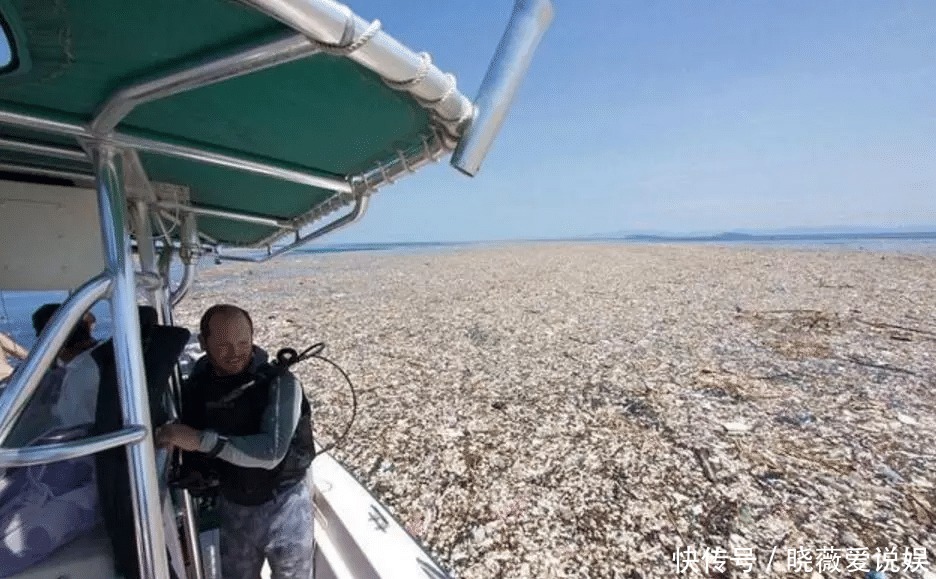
<point x="16" y="307"/>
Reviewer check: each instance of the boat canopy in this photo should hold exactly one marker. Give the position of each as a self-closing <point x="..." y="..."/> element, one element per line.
<point x="222" y="109"/>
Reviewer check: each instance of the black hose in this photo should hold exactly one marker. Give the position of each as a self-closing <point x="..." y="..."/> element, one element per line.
<point x="287" y="357"/>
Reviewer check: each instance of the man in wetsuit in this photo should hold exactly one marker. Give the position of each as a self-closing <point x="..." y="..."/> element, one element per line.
<point x="253" y="427"/>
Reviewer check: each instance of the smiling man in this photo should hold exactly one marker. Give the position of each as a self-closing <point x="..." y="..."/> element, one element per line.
<point x="253" y="427"/>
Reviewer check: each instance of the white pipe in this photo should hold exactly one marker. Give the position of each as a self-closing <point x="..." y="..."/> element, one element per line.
<point x="329" y="22"/>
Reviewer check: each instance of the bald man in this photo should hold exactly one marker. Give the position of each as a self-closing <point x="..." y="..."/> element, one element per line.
<point x="254" y="428"/>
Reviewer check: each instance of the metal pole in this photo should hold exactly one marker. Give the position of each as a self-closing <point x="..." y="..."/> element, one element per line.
<point x="331" y="22"/>
<point x="83" y="179"/>
<point x="216" y="69"/>
<point x="68" y="154"/>
<point x="224" y="214"/>
<point x="285" y="173"/>
<point x="178" y="223"/>
<point x="295" y="175"/>
<point x="145" y="244"/>
<point x="529" y="21"/>
<point x="189" y="253"/>
<point x="360" y="207"/>
<point x="151" y="542"/>
<point x="364" y="184"/>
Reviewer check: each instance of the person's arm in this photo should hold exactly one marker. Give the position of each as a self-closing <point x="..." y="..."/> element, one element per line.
<point x="267" y="448"/>
<point x="9" y="346"/>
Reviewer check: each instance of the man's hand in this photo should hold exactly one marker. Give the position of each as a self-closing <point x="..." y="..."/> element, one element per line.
<point x="179" y="436"/>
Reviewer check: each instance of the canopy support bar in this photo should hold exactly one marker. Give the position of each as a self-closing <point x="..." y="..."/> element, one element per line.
<point x="145" y="497"/>
<point x="230" y="215"/>
<point x="244" y="61"/>
<point x="176" y="150"/>
<point x="43" y="150"/>
<point x="339" y="31"/>
<point x="85" y="179"/>
<point x="528" y="23"/>
<point x="360" y="206"/>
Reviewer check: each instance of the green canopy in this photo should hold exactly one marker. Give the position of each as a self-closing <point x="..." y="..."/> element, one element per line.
<point x="321" y="114"/>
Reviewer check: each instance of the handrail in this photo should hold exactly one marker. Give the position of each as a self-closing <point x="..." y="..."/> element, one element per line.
<point x="54" y="452"/>
<point x="27" y="377"/>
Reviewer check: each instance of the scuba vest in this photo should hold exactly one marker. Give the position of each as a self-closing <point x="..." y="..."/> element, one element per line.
<point x="234" y="406"/>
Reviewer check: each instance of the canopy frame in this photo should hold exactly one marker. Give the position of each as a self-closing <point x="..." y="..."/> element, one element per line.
<point x="321" y="26"/>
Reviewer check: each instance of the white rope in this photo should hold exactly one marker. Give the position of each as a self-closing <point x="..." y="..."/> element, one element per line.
<point x="425" y="65"/>
<point x="402" y="157"/>
<point x="428" y="103"/>
<point x="383" y="173"/>
<point x="367" y="186"/>
<point x="167" y="234"/>
<point x="348" y="44"/>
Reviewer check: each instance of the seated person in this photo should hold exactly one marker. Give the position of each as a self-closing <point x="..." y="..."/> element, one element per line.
<point x="39" y="415"/>
<point x="90" y="320"/>
<point x="80" y="338"/>
<point x="45" y="507"/>
<point x="78" y="401"/>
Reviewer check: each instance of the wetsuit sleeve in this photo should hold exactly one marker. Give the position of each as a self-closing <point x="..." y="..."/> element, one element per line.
<point x="278" y="424"/>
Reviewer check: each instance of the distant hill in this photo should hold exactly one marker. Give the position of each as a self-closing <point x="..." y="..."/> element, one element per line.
<point x="790" y="233"/>
<point x="838" y="230"/>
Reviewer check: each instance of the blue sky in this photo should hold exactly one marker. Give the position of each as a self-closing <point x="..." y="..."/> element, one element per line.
<point x="4" y="48"/>
<point x="681" y="117"/>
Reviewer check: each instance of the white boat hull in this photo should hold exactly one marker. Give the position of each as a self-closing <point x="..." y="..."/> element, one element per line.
<point x="356" y="536"/>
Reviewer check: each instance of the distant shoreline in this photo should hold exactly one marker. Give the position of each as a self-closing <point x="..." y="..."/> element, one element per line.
<point x="886" y="241"/>
<point x="767" y="237"/>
